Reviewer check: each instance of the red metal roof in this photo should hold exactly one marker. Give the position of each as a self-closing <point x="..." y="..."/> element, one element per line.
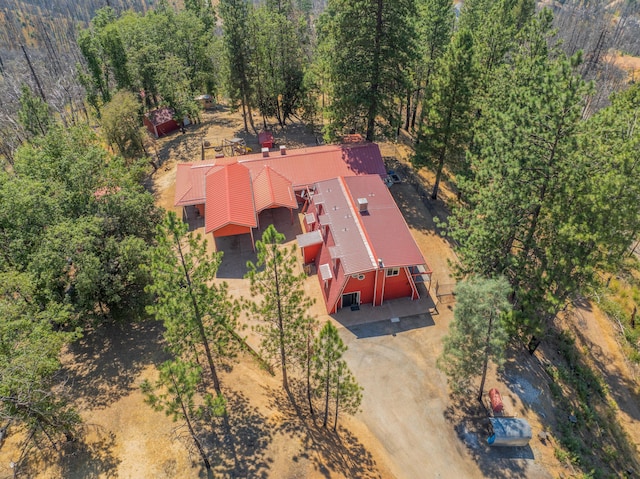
<point x="271" y="190"/>
<point x="229" y="198"/>
<point x="306" y="166"/>
<point x="274" y="178"/>
<point x="385" y="227"/>
<point x="190" y="183"/>
<point x="362" y="239"/>
<point x="160" y="116"/>
<point x="351" y="245"/>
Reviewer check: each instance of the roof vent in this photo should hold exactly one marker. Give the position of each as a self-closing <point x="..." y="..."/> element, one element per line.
<point x="363" y="205"/>
<point x="283" y="150"/>
<point x="265" y="152"/>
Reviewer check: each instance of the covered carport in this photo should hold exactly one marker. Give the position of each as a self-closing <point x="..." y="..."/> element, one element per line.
<point x="272" y="190"/>
<point x="234" y="213"/>
<point x="191" y="192"/>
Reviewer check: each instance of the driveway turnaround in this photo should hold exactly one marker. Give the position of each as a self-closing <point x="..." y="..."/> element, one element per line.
<point x="405" y="396"/>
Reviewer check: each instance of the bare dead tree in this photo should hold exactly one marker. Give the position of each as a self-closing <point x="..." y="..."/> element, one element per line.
<point x="33" y="73"/>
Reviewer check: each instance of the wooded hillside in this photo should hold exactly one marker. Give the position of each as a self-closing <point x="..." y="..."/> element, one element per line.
<point x="27" y="22"/>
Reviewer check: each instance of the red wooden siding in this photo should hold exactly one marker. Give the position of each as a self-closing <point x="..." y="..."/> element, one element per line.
<point x="397" y="286"/>
<point x="167" y="127"/>
<point x="231" y="230"/>
<point x="310" y="253"/>
<point x="365" y="286"/>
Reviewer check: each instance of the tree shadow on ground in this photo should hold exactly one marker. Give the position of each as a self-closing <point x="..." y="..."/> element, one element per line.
<point x="471" y="423"/>
<point x="238" y="447"/>
<point x="106" y="362"/>
<point x="524" y="377"/>
<point x="181" y="146"/>
<point x="329" y="452"/>
<point x="82" y="458"/>
<point x="419" y="210"/>
<point x="87" y="460"/>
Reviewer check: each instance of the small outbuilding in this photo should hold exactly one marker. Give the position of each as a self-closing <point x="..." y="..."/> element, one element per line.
<point x="205" y="101"/>
<point x="509" y="431"/>
<point x="160" y="121"/>
<point x="265" y="138"/>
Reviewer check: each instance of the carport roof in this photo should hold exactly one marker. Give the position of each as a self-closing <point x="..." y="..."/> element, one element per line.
<point x="190" y="183"/>
<point x="226" y="188"/>
<point x="271" y="189"/>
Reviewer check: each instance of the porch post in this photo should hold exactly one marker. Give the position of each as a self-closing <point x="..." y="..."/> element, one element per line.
<point x="375" y="286"/>
<point x="384" y="281"/>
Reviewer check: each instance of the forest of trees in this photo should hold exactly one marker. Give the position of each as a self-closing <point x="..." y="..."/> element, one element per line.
<point x="533" y="126"/>
<point x="302" y="60"/>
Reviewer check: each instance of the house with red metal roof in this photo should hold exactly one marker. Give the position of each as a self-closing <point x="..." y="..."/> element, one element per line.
<point x="230" y="193"/>
<point x="160" y="121"/>
<point x="360" y="244"/>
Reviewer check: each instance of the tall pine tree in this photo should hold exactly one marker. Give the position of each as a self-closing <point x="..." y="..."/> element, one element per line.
<point x="369" y="48"/>
<point x="447" y="110"/>
<point x="520" y="180"/>
<point x="282" y="305"/>
<point x="196" y="312"/>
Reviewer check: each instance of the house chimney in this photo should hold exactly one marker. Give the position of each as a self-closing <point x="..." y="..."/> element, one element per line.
<point x="265" y="152"/>
<point x="363" y="205"/>
<point x="283" y="149"/>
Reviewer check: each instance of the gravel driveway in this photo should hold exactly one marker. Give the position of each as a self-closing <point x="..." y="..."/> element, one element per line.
<point x="405" y="395"/>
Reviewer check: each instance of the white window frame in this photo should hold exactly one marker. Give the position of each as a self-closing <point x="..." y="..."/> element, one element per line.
<point x="392" y="272"/>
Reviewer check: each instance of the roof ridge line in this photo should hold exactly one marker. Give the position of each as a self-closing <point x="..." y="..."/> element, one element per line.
<point x="271" y="193"/>
<point x="356" y="220"/>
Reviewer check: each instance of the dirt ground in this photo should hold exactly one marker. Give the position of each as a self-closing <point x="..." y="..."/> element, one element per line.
<point x="628" y="63"/>
<point x="429" y="437"/>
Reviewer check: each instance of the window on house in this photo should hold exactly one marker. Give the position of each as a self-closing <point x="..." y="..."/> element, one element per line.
<point x="393" y="271"/>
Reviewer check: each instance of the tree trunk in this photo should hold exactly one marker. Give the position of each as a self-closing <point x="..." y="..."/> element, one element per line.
<point x="335" y="420"/>
<point x="199" y="323"/>
<point x="309" y="374"/>
<point x="487" y="352"/>
<point x="250" y="114"/>
<point x="375" y="80"/>
<point x="436" y="186"/>
<point x="203" y="455"/>
<point x="244" y="115"/>
<point x="283" y="353"/>
<point x="399" y="119"/>
<point x="407" y="119"/>
<point x="414" y="109"/>
<point x="326" y="392"/>
<point x="33" y="72"/>
<point x="443" y="152"/>
<point x="536" y="212"/>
